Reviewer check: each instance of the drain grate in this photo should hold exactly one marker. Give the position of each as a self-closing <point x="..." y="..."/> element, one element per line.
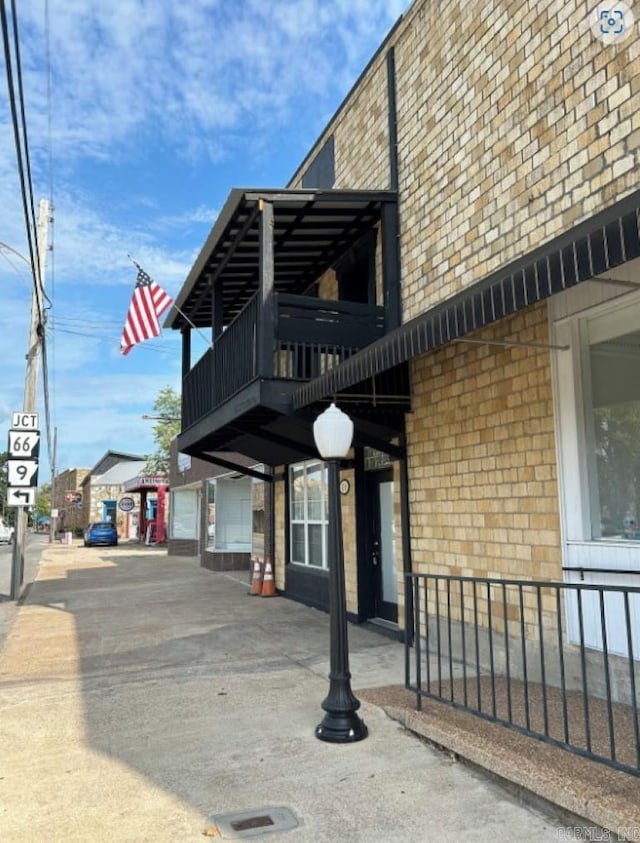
<point x="252" y="822"/>
<point x="245" y="824"/>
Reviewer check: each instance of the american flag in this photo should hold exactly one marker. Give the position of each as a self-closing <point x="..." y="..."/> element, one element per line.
<point x="148" y="303"/>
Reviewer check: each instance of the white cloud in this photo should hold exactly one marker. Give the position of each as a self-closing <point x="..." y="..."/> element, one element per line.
<point x="197" y="72"/>
<point x="157" y="109"/>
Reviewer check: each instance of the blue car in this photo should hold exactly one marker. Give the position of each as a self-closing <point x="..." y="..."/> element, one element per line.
<point x="101" y="532"/>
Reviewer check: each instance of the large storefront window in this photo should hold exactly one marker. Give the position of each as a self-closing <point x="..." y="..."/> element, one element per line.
<point x="611" y="387"/>
<point x="597" y="394"/>
<point x="308" y="508"/>
<point x="185" y="511"/>
<point x="595" y="329"/>
<point x="233" y="517"/>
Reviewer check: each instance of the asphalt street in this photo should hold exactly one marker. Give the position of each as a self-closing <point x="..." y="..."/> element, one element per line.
<point x="35" y="544"/>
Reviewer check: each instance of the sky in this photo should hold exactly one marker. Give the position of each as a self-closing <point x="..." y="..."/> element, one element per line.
<point x="141" y="116"/>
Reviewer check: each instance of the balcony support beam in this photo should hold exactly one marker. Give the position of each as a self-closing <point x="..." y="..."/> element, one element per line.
<point x="266" y="321"/>
<point x="186" y="350"/>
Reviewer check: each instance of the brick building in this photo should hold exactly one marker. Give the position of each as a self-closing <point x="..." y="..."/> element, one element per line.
<point x="455" y="263"/>
<point x="68" y="498"/>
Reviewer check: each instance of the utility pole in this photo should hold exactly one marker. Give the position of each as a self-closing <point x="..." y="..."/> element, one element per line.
<point x="36" y="333"/>
<point x="53" y="524"/>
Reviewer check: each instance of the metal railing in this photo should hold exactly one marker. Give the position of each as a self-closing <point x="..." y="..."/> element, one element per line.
<point x="556" y="661"/>
<point x="310" y="336"/>
<point x="224" y="369"/>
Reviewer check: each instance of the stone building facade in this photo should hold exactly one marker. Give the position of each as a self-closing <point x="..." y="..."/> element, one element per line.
<point x="103" y="487"/>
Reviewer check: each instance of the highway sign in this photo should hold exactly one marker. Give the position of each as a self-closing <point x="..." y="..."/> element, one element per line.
<point x="25" y="444"/>
<point x="22" y="472"/>
<point x="21" y="497"/>
<point x="24" y="421"/>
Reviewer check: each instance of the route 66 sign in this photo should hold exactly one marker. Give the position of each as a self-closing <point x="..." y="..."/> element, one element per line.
<point x="24" y="443"/>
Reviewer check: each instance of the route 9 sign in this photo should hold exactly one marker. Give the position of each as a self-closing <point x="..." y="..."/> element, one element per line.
<point x="22" y="472"/>
<point x="24" y="443"/>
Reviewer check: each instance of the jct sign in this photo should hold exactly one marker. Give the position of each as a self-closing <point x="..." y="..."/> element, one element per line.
<point x="24" y="421"/>
<point x="22" y="465"/>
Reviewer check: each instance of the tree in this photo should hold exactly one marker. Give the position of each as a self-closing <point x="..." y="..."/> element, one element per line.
<point x="167" y="407"/>
<point x="43" y="501"/>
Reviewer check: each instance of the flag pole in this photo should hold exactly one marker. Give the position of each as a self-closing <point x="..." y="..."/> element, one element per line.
<point x="181" y="312"/>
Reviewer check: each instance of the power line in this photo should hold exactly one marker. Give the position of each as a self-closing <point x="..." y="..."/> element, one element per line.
<point x="21" y="143"/>
<point x="79" y="320"/>
<point x="52" y="274"/>
<point x="111" y="339"/>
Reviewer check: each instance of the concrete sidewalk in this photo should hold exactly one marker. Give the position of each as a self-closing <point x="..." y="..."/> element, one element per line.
<point x="141" y="697"/>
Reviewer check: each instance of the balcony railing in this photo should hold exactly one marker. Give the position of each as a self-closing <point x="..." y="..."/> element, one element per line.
<point x="310" y="336"/>
<point x="556" y="661"/>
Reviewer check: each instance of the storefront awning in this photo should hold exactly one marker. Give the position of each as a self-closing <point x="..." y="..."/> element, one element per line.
<point x="595" y="247"/>
<point x="146" y="483"/>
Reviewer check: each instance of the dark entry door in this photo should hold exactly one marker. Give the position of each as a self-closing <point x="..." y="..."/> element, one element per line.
<point x="383" y="557"/>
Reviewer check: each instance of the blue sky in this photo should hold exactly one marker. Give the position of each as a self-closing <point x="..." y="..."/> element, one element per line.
<point x="156" y="110"/>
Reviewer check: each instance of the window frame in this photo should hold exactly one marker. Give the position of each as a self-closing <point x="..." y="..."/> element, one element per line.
<point x="223" y="483"/>
<point x="194" y="514"/>
<point x="570" y="314"/>
<point x="306" y="522"/>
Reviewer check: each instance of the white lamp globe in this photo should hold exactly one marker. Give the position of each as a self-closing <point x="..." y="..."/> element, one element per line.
<point x="333" y="433"/>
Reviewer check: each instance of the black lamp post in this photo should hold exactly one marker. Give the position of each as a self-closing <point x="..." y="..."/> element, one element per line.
<point x="333" y="432"/>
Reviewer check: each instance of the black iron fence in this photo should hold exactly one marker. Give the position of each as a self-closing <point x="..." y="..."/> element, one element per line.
<point x="556" y="661"/>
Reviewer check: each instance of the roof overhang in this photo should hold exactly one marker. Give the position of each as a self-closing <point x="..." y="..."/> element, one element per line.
<point x="594" y="247"/>
<point x="312" y="229"/>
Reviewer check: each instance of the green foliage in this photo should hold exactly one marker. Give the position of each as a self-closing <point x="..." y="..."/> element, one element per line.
<point x="43" y="501"/>
<point x="168" y="407"/>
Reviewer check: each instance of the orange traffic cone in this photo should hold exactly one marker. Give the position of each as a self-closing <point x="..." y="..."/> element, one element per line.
<point x="268" y="584"/>
<point x="256" y="578"/>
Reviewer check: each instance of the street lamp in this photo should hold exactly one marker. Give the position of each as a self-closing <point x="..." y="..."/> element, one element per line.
<point x="333" y="432"/>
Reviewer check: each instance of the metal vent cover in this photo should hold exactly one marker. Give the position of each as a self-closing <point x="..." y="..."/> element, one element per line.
<point x="242" y="825"/>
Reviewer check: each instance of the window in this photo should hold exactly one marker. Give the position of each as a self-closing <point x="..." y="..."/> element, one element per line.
<point x="308" y="514"/>
<point x="185" y="509"/>
<point x="233" y="517"/>
<point x="597" y="394"/>
<point x="610" y="345"/>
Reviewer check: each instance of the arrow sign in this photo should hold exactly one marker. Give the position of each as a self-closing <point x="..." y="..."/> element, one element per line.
<point x="25" y="444"/>
<point x="22" y="472"/>
<point x="21" y="497"/>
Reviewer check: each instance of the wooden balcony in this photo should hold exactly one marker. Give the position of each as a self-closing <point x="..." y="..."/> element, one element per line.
<point x="310" y="337"/>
